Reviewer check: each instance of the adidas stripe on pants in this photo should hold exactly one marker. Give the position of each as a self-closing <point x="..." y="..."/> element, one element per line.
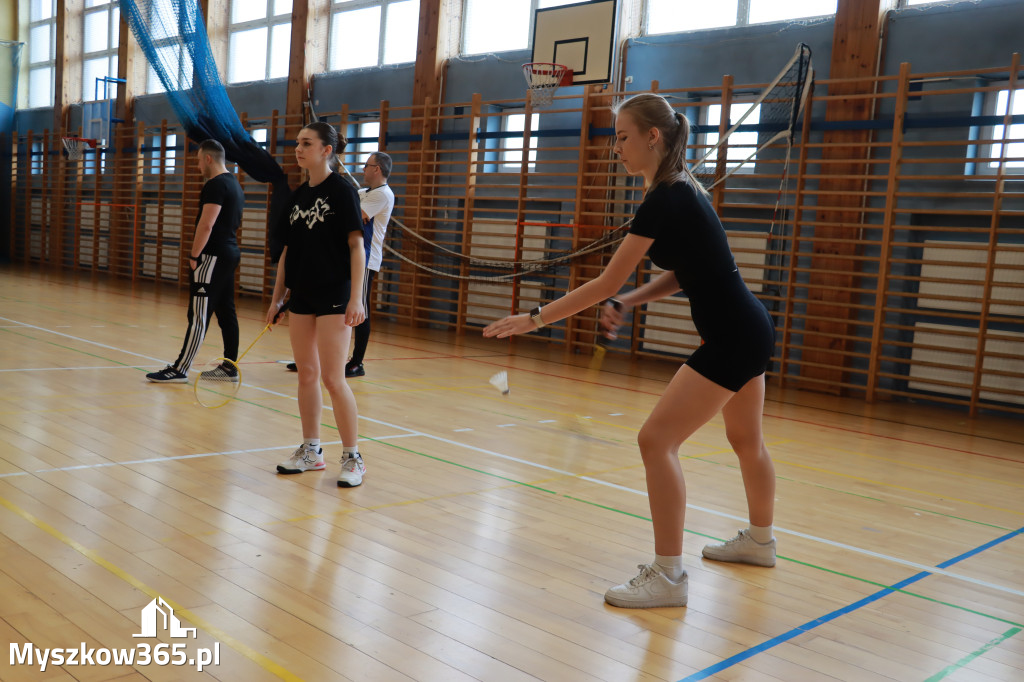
<point x="212" y="290"/>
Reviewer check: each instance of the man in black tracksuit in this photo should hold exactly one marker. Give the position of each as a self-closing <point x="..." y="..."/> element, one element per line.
<point x="213" y="261"/>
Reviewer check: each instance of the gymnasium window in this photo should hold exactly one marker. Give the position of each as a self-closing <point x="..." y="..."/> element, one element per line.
<point x="358" y="152"/>
<point x="372" y="32"/>
<point x="741" y="144"/>
<point x="995" y="104"/>
<point x="42" y="52"/>
<point x="514" y="17"/>
<point x="766" y="11"/>
<point x="260" y="40"/>
<point x="169" y="54"/>
<point x="36" y="158"/>
<point x="512" y="147"/>
<point x="664" y="16"/>
<point x="100" y="37"/>
<point x="154" y="155"/>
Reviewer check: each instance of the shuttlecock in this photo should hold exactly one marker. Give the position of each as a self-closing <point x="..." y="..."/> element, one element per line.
<point x="500" y="382"/>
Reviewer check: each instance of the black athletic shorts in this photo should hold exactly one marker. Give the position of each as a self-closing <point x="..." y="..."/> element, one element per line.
<point x="326" y="301"/>
<point x="738" y="333"/>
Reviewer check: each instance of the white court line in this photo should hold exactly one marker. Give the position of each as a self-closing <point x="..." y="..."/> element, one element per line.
<point x="60" y="369"/>
<point x="544" y="467"/>
<point x="78" y="338"/>
<point x="153" y="460"/>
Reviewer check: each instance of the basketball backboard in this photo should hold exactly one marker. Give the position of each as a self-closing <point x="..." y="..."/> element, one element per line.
<point x="580" y="36"/>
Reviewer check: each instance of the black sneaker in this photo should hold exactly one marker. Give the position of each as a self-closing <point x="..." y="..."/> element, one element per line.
<point x="354" y="370"/>
<point x="168" y="375"/>
<point x="292" y="367"/>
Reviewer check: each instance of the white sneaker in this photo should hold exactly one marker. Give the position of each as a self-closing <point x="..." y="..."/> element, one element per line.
<point x="651" y="589"/>
<point x="303" y="459"/>
<point x="742" y="549"/>
<point x="352" y="470"/>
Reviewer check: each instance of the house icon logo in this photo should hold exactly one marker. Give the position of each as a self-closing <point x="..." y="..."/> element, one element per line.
<point x="158" y="614"/>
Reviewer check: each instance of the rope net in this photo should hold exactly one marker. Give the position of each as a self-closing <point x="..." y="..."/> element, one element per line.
<point x="780" y="105"/>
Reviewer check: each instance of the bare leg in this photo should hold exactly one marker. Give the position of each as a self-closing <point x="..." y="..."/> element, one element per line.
<point x="333" y="337"/>
<point x="688" y="403"/>
<point x="742" y="417"/>
<point x="302" y="330"/>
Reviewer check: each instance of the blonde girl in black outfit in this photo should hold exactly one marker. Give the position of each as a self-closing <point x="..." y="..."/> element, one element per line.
<point x="322" y="266"/>
<point x="677" y="227"/>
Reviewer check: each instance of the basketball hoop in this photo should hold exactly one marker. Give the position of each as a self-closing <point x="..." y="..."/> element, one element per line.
<point x="543" y="79"/>
<point x="75" y="146"/>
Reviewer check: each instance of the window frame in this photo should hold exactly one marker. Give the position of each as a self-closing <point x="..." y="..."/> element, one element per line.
<point x="50" y="64"/>
<point x="534" y="6"/>
<point x="994" y="132"/>
<point x="269" y="21"/>
<point x="343" y="6"/>
<point x="741" y="166"/>
<point x="153" y="84"/>
<point x="742" y="18"/>
<point x="505" y="149"/>
<point x="111" y="7"/>
<point x="352" y="156"/>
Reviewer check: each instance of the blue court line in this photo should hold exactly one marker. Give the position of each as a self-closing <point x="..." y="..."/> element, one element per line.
<point x="810" y="625"/>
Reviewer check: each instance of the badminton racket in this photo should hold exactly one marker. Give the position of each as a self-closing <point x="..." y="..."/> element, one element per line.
<point x="219" y="379"/>
<point x="601" y="344"/>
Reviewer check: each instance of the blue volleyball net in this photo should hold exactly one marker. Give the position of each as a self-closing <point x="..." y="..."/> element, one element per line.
<point x="10" y="58"/>
<point x="173" y="37"/>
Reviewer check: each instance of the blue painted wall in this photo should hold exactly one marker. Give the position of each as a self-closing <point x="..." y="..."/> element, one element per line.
<point x="940" y="37"/>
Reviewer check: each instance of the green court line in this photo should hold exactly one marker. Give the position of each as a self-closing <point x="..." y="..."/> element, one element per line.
<point x="814" y="566"/>
<point x="966" y="660"/>
<point x="73" y="350"/>
<point x="862" y="496"/>
<point x="40" y="306"/>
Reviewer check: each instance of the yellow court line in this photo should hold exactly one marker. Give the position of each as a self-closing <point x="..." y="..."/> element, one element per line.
<point x="218" y="634"/>
<point x="388" y="505"/>
<point x="899" y="487"/>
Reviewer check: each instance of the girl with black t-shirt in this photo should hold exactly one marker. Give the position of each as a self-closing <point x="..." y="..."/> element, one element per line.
<point x="322" y="266"/>
<point x="677" y="227"/>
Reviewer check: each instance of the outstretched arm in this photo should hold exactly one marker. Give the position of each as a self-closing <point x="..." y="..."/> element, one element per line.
<point x="622" y="266"/>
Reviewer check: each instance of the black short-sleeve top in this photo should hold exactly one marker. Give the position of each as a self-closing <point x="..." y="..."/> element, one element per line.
<point x="319" y="222"/>
<point x="224" y="191"/>
<point x="688" y="237"/>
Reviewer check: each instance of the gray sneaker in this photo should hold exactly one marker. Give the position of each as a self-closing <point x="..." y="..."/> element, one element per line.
<point x="742" y="549"/>
<point x="222" y="372"/>
<point x="650" y="589"/>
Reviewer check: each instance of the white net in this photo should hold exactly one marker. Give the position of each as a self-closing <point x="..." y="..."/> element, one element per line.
<point x="75" y="147"/>
<point x="782" y="100"/>
<point x="543" y="79"/>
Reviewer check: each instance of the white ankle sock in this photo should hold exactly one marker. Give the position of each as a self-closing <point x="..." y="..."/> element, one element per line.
<point x="312" y="444"/>
<point x="671" y="566"/>
<point x="350" y="450"/>
<point x="760" y="534"/>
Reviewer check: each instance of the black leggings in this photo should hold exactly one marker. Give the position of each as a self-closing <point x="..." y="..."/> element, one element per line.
<point x="362" y="332"/>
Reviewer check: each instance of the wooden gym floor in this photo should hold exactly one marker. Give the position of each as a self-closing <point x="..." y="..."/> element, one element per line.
<point x="487" y="528"/>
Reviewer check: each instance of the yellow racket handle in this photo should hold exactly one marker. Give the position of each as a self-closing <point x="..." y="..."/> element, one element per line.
<point x="265" y="329"/>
